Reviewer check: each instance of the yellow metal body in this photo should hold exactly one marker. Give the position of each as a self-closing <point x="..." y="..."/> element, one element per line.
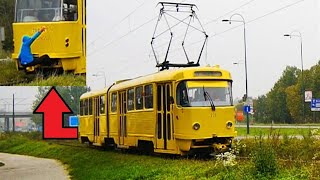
<point x="167" y="126"/>
<point x="63" y="41"/>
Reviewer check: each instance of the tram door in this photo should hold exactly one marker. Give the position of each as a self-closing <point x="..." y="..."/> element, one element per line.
<point x="123" y="117"/>
<point x="96" y="115"/>
<point x="164" y="117"/>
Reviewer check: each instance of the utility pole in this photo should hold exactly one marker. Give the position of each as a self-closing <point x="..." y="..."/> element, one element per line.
<point x="2" y="36"/>
<point x="13" y="122"/>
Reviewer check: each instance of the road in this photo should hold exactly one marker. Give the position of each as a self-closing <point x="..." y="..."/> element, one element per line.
<point x="280" y="126"/>
<point x="30" y="168"/>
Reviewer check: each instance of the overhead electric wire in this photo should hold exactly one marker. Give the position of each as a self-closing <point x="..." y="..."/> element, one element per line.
<point x="123" y="36"/>
<point x="248" y="22"/>
<point x="214" y="20"/>
<point x="123" y="19"/>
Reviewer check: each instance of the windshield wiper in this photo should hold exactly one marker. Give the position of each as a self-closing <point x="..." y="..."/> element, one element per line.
<point x="207" y="96"/>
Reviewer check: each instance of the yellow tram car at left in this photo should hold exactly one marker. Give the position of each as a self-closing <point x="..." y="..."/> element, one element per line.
<point x="182" y="111"/>
<point x="65" y="38"/>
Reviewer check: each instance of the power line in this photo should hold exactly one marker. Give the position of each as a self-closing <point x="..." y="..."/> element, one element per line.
<point x="214" y="20"/>
<point x="123" y="19"/>
<point x="251" y="21"/>
<point x="128" y="33"/>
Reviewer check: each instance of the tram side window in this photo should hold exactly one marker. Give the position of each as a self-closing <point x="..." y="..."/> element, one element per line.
<point x="70" y="10"/>
<point x="113" y="102"/>
<point x="148" y="97"/>
<point x="182" y="94"/>
<point x="130" y="99"/>
<point x="81" y="107"/>
<point x="139" y="99"/>
<point x="85" y="107"/>
<point x="90" y="106"/>
<point x="102" y="105"/>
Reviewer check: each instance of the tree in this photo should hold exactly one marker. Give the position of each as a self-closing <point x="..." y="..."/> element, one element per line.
<point x="260" y="107"/>
<point x="71" y="96"/>
<point x="294" y="102"/>
<point x="6" y="20"/>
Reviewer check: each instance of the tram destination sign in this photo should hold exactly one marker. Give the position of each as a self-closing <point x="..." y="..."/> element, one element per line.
<point x="315" y="104"/>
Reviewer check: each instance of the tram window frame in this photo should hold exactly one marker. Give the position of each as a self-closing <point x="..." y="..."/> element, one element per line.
<point x="130" y="97"/>
<point x="182" y="94"/>
<point x="74" y="12"/>
<point x="47" y="11"/>
<point x="85" y="107"/>
<point x="139" y="97"/>
<point x="81" y="108"/>
<point x="148" y="96"/>
<point x="113" y="102"/>
<point x="102" y="104"/>
<point x="90" y="106"/>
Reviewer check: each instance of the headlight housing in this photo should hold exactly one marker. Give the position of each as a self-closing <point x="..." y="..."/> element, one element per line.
<point x="196" y="126"/>
<point x="229" y="124"/>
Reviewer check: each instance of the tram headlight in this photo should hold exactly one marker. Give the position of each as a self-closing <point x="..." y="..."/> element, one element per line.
<point x="196" y="126"/>
<point x="229" y="124"/>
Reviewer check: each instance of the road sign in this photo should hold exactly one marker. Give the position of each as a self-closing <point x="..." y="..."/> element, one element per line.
<point x="315" y="104"/>
<point x="246" y="109"/>
<point x="307" y="96"/>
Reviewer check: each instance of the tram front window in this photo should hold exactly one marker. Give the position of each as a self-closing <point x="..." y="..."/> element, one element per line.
<point x="46" y="10"/>
<point x="199" y="94"/>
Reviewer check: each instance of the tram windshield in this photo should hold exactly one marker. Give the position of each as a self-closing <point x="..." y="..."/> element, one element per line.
<point x="204" y="93"/>
<point x="46" y="10"/>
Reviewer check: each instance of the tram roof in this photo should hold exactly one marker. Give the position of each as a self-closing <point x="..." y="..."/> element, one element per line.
<point x="163" y="76"/>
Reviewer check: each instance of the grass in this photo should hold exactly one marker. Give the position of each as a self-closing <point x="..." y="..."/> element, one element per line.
<point x="4" y="54"/>
<point x="9" y="73"/>
<point x="89" y="163"/>
<point x="61" y="80"/>
<point x="242" y="131"/>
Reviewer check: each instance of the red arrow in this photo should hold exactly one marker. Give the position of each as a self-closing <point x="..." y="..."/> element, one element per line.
<point x="53" y="107"/>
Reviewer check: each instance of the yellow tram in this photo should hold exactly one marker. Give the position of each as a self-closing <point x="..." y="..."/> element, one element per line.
<point x="181" y="111"/>
<point x="65" y="38"/>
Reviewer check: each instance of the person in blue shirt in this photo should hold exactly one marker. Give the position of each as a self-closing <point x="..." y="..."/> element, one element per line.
<point x="25" y="57"/>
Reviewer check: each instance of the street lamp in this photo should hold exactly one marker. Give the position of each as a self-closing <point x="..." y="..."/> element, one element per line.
<point x="299" y="35"/>
<point x="101" y="73"/>
<point x="245" y="55"/>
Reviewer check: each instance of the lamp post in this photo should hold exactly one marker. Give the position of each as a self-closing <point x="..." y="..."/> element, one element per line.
<point x="299" y="35"/>
<point x="245" y="55"/>
<point x="101" y="73"/>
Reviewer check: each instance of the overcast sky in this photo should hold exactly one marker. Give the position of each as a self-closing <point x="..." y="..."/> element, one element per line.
<point x="120" y="32"/>
<point x="268" y="51"/>
<point x="24" y="97"/>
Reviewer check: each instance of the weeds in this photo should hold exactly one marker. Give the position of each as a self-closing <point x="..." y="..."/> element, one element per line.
<point x="264" y="159"/>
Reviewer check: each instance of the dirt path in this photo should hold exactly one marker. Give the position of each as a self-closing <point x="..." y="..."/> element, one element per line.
<point x="18" y="167"/>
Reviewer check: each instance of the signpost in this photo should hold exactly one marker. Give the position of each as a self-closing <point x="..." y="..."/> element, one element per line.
<point x="246" y="108"/>
<point x="315" y="104"/>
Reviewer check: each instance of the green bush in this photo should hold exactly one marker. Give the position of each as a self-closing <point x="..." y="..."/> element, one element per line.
<point x="265" y="160"/>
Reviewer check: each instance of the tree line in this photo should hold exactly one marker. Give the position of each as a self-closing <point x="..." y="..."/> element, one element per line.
<point x="284" y="103"/>
<point x="6" y="20"/>
<point x="70" y="94"/>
